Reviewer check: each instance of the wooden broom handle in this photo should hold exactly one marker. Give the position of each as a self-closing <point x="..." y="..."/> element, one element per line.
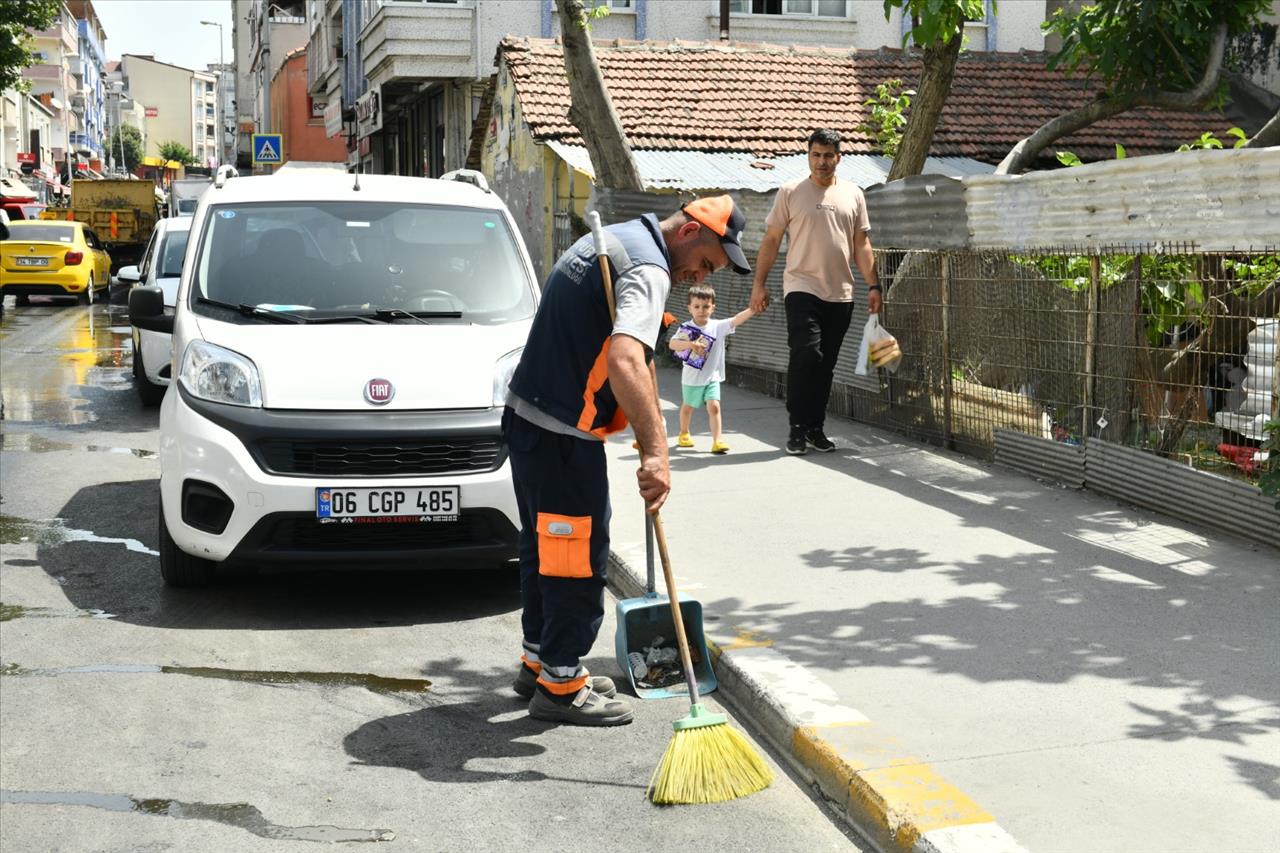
<point x="683" y="641"/>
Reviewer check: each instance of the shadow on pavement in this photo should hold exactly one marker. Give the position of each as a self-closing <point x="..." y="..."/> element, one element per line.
<point x="1077" y="585"/>
<point x="112" y="571"/>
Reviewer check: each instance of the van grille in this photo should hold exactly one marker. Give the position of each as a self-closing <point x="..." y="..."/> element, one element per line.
<point x="381" y="458"/>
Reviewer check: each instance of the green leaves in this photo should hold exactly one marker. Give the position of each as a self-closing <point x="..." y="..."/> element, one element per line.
<point x="1135" y="47"/>
<point x="1207" y="140"/>
<point x="888" y="115"/>
<point x="1068" y="158"/>
<point x="16" y="17"/>
<point x="936" y="20"/>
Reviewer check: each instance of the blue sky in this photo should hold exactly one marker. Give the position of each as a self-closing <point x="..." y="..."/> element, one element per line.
<point x="169" y="29"/>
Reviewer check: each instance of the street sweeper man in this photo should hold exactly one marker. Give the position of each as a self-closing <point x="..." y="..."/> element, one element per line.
<point x="582" y="376"/>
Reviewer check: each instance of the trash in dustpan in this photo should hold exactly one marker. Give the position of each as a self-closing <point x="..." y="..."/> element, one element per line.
<point x="647" y="632"/>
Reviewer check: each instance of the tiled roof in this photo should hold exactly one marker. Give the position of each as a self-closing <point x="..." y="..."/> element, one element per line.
<point x="765" y="99"/>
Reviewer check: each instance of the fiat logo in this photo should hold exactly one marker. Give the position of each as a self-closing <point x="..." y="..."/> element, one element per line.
<point x="379" y="391"/>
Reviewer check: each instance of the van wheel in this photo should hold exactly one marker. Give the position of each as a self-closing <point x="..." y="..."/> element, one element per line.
<point x="85" y="296"/>
<point x="148" y="392"/>
<point x="177" y="567"/>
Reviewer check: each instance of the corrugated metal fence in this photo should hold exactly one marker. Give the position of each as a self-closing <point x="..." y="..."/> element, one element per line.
<point x="1144" y="370"/>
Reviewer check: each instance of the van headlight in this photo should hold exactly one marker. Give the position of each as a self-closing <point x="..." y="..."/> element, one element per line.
<point x="502" y="373"/>
<point x="220" y="375"/>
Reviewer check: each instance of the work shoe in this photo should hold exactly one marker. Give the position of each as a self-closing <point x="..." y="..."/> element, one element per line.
<point x="587" y="708"/>
<point x="719" y="448"/>
<point x="685" y="440"/>
<point x="795" y="443"/>
<point x="819" y="440"/>
<point x="527" y="680"/>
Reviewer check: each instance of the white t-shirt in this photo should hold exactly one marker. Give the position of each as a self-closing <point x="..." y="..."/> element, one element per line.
<point x="712" y="369"/>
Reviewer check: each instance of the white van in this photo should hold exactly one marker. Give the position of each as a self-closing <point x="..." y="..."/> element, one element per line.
<point x="341" y="350"/>
<point x="161" y="265"/>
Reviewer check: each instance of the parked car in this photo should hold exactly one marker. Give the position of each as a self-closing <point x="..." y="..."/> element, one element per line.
<point x="44" y="257"/>
<point x="20" y="210"/>
<point x="161" y="267"/>
<point x="343" y="345"/>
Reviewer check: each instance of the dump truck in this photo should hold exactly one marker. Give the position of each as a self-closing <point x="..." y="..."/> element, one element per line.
<point x="121" y="212"/>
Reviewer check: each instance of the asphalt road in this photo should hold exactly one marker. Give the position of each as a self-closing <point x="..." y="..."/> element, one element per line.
<point x="279" y="711"/>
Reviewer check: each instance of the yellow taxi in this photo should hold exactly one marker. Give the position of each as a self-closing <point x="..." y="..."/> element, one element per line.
<point x="45" y="257"/>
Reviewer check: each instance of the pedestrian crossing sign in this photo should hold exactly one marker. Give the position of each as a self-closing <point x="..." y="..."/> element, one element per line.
<point x="267" y="147"/>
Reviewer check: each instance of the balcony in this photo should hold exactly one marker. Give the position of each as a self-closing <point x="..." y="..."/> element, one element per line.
<point x="422" y="42"/>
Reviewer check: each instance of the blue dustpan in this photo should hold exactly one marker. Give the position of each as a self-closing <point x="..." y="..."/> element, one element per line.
<point x="642" y="620"/>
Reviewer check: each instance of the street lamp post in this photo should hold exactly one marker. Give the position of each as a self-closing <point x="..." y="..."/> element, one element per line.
<point x="218" y="95"/>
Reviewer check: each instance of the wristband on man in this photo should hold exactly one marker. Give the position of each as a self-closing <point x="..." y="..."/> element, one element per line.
<point x="874" y="287"/>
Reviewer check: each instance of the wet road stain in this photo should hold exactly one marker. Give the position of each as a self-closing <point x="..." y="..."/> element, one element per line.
<point x="17" y="611"/>
<point x="240" y="815"/>
<point x="30" y="442"/>
<point x="374" y="683"/>
<point x="14" y="530"/>
<point x="46" y="360"/>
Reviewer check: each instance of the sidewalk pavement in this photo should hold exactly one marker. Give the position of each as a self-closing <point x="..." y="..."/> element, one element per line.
<point x="961" y="656"/>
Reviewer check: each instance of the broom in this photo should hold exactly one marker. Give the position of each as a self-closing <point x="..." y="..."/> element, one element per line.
<point x="706" y="761"/>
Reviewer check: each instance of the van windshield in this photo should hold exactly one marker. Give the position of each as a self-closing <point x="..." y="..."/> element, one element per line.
<point x="317" y="259"/>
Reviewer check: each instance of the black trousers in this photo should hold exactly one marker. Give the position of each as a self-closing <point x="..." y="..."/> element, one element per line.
<point x="815" y="333"/>
<point x="562" y="491"/>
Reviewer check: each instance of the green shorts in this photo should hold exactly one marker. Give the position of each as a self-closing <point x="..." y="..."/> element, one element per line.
<point x="697" y="395"/>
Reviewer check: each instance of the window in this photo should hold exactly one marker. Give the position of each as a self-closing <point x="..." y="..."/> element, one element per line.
<point x="345" y="257"/>
<point x="804" y="8"/>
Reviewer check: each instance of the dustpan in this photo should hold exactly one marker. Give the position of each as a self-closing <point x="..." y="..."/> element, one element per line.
<point x="642" y="620"/>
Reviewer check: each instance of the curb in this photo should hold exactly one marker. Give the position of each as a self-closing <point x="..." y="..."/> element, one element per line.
<point x="893" y="800"/>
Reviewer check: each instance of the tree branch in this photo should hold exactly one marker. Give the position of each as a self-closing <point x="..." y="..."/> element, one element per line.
<point x="1022" y="155"/>
<point x="936" y="75"/>
<point x="591" y="109"/>
<point x="1269" y="134"/>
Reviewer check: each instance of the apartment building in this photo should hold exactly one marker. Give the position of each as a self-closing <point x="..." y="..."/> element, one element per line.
<point x="423" y="63"/>
<point x="26" y="134"/>
<point x="89" y="69"/>
<point x="299" y="118"/>
<point x="272" y="31"/>
<point x="226" y="75"/>
<point x="54" y="52"/>
<point x="179" y="104"/>
<point x="205" y="119"/>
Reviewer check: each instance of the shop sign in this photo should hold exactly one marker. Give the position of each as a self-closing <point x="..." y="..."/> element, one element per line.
<point x="152" y="112"/>
<point x="368" y="113"/>
<point x="26" y="157"/>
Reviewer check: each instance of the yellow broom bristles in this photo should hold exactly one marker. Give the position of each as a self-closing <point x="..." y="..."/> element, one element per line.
<point x="708" y="764"/>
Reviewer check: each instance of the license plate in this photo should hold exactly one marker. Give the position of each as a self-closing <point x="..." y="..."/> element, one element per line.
<point x="389" y="503"/>
<point x="33" y="262"/>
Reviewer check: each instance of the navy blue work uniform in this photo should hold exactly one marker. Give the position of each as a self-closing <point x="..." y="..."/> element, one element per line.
<point x="560" y="411"/>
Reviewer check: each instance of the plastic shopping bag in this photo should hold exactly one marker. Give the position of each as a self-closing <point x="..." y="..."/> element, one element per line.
<point x="878" y="349"/>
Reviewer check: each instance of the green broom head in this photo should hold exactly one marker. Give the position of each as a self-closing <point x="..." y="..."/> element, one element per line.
<point x="707" y="761"/>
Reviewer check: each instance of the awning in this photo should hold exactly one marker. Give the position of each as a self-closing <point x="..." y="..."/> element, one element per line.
<point x="152" y="161"/>
<point x="173" y="164"/>
<point x="10" y="188"/>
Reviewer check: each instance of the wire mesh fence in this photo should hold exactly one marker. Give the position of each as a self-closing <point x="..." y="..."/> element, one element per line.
<point x="1161" y="348"/>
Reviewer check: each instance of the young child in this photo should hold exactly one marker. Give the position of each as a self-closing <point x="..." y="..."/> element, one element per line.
<point x="702" y="384"/>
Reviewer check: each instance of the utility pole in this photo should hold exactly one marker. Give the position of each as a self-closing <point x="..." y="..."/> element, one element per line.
<point x="219" y="119"/>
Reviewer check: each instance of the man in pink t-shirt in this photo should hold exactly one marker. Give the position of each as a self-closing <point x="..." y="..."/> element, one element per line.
<point x="825" y="219"/>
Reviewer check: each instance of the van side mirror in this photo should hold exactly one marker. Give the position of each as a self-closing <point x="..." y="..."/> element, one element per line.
<point x="129" y="274"/>
<point x="146" y="310"/>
